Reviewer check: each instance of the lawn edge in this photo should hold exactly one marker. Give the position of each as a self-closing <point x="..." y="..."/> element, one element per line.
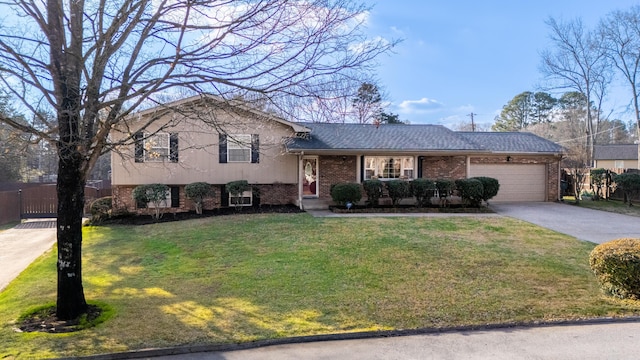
<point x="191" y="349"/>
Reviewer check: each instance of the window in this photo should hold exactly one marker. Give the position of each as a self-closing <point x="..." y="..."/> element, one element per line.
<point x="619" y="164"/>
<point x="239" y="148"/>
<point x="388" y="167"/>
<point x="156" y="147"/>
<point x="172" y="199"/>
<point x="245" y="199"/>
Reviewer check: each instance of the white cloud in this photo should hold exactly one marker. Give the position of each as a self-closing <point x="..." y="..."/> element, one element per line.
<point x="422" y="106"/>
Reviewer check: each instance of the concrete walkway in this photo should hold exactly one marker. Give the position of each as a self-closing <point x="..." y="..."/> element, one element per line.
<point x="21" y="245"/>
<point x="584" y="224"/>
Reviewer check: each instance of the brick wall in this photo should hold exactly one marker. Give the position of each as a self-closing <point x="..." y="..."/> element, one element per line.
<point x="334" y="170"/>
<point x="270" y="194"/>
<point x="444" y="167"/>
<point x="278" y="194"/>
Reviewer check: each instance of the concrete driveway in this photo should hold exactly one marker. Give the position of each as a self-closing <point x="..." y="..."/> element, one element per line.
<point x="584" y="224"/>
<point x="21" y="245"/>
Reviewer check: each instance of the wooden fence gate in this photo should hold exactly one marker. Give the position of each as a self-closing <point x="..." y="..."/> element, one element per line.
<point x="39" y="202"/>
<point x="42" y="201"/>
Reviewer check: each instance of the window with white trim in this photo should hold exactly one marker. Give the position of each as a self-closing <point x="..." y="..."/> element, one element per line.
<point x="245" y="199"/>
<point x="386" y="168"/>
<point x="619" y="164"/>
<point x="156" y="147"/>
<point x="239" y="148"/>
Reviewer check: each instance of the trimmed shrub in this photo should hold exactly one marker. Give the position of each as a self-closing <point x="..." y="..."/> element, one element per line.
<point x="490" y="187"/>
<point x="616" y="264"/>
<point x="398" y="190"/>
<point x="422" y="189"/>
<point x="198" y="191"/>
<point x="373" y="188"/>
<point x="235" y="190"/>
<point x="344" y="193"/>
<point x="470" y="190"/>
<point x="629" y="183"/>
<point x="444" y="187"/>
<point x="151" y="193"/>
<point x="101" y="209"/>
<point x="598" y="179"/>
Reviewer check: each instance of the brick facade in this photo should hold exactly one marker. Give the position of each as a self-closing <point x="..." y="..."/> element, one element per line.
<point x="334" y="170"/>
<point x="278" y="194"/>
<point x="270" y="194"/>
<point x="444" y="167"/>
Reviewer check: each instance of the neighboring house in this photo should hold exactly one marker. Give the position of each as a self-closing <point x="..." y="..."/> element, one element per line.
<point x="296" y="163"/>
<point x="616" y="157"/>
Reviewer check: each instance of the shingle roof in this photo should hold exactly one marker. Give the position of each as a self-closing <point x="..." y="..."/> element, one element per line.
<point x="616" y="152"/>
<point x="517" y="142"/>
<point x="331" y="136"/>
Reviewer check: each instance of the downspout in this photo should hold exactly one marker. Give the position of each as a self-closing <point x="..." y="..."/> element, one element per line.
<point x="559" y="180"/>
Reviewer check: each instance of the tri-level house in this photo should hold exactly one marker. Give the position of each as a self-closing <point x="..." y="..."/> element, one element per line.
<point x="285" y="162"/>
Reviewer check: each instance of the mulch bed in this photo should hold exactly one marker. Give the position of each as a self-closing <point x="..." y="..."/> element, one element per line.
<point x="133" y="219"/>
<point x="451" y="209"/>
<point x="45" y="320"/>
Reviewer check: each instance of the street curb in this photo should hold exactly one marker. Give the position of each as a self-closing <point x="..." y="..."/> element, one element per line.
<point x="190" y="349"/>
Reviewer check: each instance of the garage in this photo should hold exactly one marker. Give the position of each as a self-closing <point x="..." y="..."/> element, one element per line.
<point x="518" y="182"/>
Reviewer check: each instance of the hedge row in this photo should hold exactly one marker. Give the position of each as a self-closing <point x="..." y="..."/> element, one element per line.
<point x="472" y="191"/>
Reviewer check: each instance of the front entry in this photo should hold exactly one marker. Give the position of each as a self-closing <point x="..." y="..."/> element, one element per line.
<point x="310" y="177"/>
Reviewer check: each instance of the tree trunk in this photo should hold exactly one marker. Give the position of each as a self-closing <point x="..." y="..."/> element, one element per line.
<point x="71" y="301"/>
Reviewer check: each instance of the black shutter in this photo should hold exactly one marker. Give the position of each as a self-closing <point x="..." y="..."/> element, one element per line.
<point x="224" y="196"/>
<point x="255" y="149"/>
<point x="139" y="147"/>
<point x="222" y="148"/>
<point x="362" y="168"/>
<point x="419" y="175"/>
<point x="175" y="196"/>
<point x="173" y="147"/>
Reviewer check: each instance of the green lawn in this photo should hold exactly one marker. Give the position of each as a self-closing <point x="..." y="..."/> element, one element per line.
<point x="616" y="206"/>
<point x="250" y="277"/>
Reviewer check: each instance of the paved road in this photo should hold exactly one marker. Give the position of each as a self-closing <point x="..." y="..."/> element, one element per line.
<point x="584" y="224"/>
<point x="21" y="245"/>
<point x="584" y="342"/>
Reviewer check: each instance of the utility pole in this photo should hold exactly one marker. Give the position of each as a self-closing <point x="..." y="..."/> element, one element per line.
<point x="473" y="124"/>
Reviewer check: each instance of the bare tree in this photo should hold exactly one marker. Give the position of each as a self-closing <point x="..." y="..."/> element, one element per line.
<point x="95" y="63"/>
<point x="620" y="31"/>
<point x="578" y="62"/>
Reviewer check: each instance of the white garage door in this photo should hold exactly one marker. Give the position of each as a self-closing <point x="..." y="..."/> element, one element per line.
<point x="518" y="182"/>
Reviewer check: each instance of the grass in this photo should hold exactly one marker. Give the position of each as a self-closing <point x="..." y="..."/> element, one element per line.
<point x="616" y="206"/>
<point x="250" y="277"/>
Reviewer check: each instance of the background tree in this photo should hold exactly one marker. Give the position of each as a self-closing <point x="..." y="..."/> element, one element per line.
<point x="577" y="62"/>
<point x="542" y="106"/>
<point x="391" y="119"/>
<point x="367" y="104"/>
<point x="620" y="31"/>
<point x="516" y="115"/>
<point x="95" y="63"/>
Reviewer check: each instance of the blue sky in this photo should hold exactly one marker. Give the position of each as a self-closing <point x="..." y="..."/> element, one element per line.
<point x="460" y="57"/>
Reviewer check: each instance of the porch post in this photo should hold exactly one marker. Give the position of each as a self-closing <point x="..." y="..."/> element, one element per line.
<point x="300" y="186"/>
<point x="468" y="166"/>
